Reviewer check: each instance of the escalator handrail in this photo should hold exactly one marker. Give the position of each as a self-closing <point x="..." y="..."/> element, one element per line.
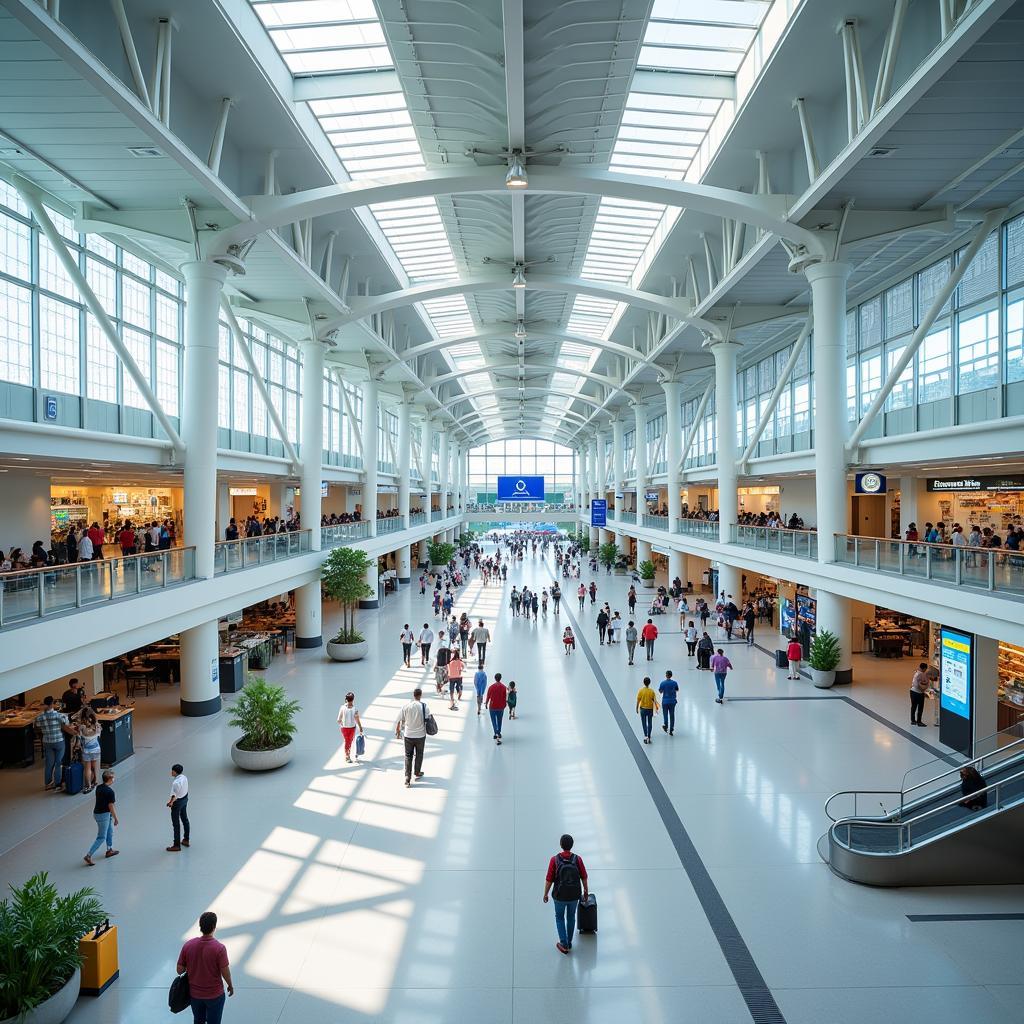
<point x="897" y="824"/>
<point x="1016" y="728"/>
<point x="855" y="793"/>
<point x="956" y="770"/>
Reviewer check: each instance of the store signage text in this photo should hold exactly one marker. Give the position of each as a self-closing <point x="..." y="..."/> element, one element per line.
<point x="977" y="483"/>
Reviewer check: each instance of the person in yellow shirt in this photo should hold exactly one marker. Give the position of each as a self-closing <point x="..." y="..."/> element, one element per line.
<point x="646" y="705"/>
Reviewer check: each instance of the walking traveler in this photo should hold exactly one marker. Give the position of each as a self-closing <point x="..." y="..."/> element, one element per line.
<point x="513" y="699"/>
<point x="497" y="701"/>
<point x="481" y="637"/>
<point x="89" y="730"/>
<point x="647" y="637"/>
<point x="690" y="636"/>
<point x="593" y="592"/>
<point x="454" y="679"/>
<point x="794" y="652"/>
<point x="749" y="617"/>
<point x="920" y="684"/>
<point x="412" y="726"/>
<point x="705" y="648"/>
<point x="566" y="881"/>
<point x="581" y="593"/>
<point x="602" y="625"/>
<point x="646" y="705"/>
<point x="480" y="685"/>
<point x="407" y="638"/>
<point x="178" y="804"/>
<point x="348" y="719"/>
<point x="556" y="596"/>
<point x="569" y="640"/>
<point x="631" y="638"/>
<point x="426" y="638"/>
<point x="104" y="813"/>
<point x="669" y="690"/>
<point x="72" y="700"/>
<point x="441" y="660"/>
<point x="615" y="629"/>
<point x="53" y="725"/>
<point x="720" y="665"/>
<point x="205" y="960"/>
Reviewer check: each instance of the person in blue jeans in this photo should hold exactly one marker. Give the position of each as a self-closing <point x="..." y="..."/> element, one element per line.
<point x="720" y="665"/>
<point x="669" y="690"/>
<point x="104" y="813"/>
<point x="566" y="881"/>
<point x="480" y="685"/>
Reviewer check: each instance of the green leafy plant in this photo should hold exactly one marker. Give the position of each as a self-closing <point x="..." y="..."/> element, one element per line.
<point x="646" y="570"/>
<point x="265" y="715"/>
<point x="608" y="553"/>
<point x="440" y="553"/>
<point x="585" y="543"/>
<point x="825" y="652"/>
<point x="466" y="538"/>
<point x="39" y="933"/>
<point x="343" y="579"/>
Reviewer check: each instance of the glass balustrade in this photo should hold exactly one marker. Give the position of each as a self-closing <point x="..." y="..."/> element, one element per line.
<point x="798" y="543"/>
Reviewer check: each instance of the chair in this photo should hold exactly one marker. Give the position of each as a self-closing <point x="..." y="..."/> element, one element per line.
<point x="137" y="677"/>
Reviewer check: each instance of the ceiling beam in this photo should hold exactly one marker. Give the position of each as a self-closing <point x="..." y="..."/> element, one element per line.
<point x="534" y="368"/>
<point x="681" y="83"/>
<point x="357" y="83"/>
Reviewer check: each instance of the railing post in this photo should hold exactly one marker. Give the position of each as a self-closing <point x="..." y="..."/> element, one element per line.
<point x="41" y="599"/>
<point x="876" y="555"/>
<point x="138" y="575"/>
<point x="957" y="566"/>
<point x="992" y="571"/>
<point x="110" y="583"/>
<point x="927" y="561"/>
<point x="163" y="569"/>
<point x="901" y="548"/>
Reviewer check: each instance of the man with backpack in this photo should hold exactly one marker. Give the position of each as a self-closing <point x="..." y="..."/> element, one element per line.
<point x="566" y="881"/>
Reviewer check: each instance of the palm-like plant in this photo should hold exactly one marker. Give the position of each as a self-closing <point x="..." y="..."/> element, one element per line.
<point x="608" y="553"/>
<point x="265" y="716"/>
<point x="343" y="579"/>
<point x="825" y="652"/>
<point x="440" y="553"/>
<point x="647" y="570"/>
<point x="39" y="933"/>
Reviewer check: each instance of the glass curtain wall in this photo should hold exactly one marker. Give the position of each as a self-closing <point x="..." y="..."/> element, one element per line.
<point x="526" y="457"/>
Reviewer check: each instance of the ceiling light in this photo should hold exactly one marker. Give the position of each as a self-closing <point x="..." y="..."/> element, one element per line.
<point x="518" y="276"/>
<point x="516" y="177"/>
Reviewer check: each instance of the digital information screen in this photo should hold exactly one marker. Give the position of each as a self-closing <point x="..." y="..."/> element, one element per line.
<point x="520" y="488"/>
<point x="955" y="673"/>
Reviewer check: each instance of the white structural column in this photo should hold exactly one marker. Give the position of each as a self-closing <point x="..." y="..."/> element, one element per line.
<point x="582" y="456"/>
<point x="426" y="454"/>
<point x="596" y="485"/>
<point x="204" y="282"/>
<point x="729" y="577"/>
<point x="828" y="298"/>
<point x="673" y="456"/>
<point x="640" y="454"/>
<point x="618" y="471"/>
<point x="308" y="610"/>
<point x="443" y="474"/>
<point x="371" y="415"/>
<point x="404" y="450"/>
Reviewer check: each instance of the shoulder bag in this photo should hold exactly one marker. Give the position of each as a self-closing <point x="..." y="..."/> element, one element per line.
<point x="180" y="996"/>
<point x="429" y="722"/>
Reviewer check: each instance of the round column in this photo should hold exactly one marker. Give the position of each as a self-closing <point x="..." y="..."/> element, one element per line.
<point x="370" y="578"/>
<point x="643" y="551"/>
<point x="673" y="449"/>
<point x="204" y="282"/>
<point x="729" y="577"/>
<point x="371" y="415"/>
<point x="640" y="453"/>
<point x="443" y="472"/>
<point x="828" y="303"/>
<point x="426" y="454"/>
<point x="404" y="448"/>
<point x="675" y="565"/>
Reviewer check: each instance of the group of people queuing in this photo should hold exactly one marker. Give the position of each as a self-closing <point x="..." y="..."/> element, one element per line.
<point x="253" y="526"/>
<point x="93" y="543"/>
<point x="971" y="538"/>
<point x="773" y="520"/>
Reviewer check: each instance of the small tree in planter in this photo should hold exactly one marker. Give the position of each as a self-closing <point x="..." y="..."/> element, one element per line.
<point x="267" y="719"/>
<point x="824" y="658"/>
<point x="584" y="542"/>
<point x="343" y="579"/>
<point x="647" y="572"/>
<point x="39" y="958"/>
<point x="608" y="553"/>
<point x="440" y="553"/>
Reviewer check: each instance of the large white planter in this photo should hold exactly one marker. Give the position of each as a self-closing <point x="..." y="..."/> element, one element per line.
<point x="261" y="760"/>
<point x="348" y="652"/>
<point x="647" y="584"/>
<point x="822" y="680"/>
<point x="57" y="1008"/>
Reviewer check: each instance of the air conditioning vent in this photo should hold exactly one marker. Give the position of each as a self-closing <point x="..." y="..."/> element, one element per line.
<point x="880" y="151"/>
<point x="145" y="152"/>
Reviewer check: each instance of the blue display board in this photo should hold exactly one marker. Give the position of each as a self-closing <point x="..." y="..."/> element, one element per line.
<point x="520" y="488"/>
<point x="599" y="512"/>
<point x="956" y="649"/>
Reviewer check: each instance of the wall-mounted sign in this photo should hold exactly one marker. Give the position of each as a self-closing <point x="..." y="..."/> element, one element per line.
<point x="651" y="495"/>
<point x="977" y="483"/>
<point x="956" y="698"/>
<point x="242" y="492"/>
<point x="120" y="497"/>
<point x="50" y="407"/>
<point x="599" y="512"/>
<point x="869" y="483"/>
<point x="324" y="489"/>
<point x="520" y="488"/>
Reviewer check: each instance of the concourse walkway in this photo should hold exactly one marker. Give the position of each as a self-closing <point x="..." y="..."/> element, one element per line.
<point x="345" y="898"/>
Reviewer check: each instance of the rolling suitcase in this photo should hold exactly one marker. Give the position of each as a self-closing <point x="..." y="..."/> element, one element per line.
<point x="781" y="661"/>
<point x="98" y="950"/>
<point x="586" y="915"/>
<point x="72" y="777"/>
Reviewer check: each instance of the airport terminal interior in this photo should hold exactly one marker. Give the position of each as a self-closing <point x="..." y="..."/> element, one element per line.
<point x="512" y="511"/>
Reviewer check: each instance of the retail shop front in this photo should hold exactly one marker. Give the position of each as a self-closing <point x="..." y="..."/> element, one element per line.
<point x="110" y="506"/>
<point x="989" y="502"/>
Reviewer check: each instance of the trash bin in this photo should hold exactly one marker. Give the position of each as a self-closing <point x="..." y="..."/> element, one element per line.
<point x="99" y="959"/>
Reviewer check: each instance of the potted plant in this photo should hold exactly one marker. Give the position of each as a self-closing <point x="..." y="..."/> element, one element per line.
<point x="824" y="659"/>
<point x="585" y="542"/>
<point x="267" y="720"/>
<point x="343" y="579"/>
<point x="607" y="554"/>
<point x="440" y="553"/>
<point x="40" y="966"/>
<point x="647" y="572"/>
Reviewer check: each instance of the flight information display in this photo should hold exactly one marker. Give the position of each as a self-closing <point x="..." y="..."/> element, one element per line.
<point x="520" y="488"/>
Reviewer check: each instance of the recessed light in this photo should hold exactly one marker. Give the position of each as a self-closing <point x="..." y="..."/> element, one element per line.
<point x="145" y="152"/>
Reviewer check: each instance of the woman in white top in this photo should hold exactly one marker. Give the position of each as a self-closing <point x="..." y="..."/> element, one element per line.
<point x="348" y="719"/>
<point x="615" y="629"/>
<point x="89" y="736"/>
<point x="684" y="609"/>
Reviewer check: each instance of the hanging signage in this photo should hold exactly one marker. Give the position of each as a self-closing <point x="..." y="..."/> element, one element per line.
<point x="869" y="483"/>
<point x="520" y="488"/>
<point x="977" y="483"/>
<point x="599" y="512"/>
<point x="651" y="495"/>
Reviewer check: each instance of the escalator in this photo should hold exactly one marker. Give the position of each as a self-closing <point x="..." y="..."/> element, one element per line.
<point x="922" y="834"/>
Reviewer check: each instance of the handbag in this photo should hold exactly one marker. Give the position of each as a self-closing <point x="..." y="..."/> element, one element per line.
<point x="429" y="722"/>
<point x="180" y="995"/>
<point x="360" y="745"/>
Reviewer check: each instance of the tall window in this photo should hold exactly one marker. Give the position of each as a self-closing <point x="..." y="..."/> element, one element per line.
<point x="525" y="456"/>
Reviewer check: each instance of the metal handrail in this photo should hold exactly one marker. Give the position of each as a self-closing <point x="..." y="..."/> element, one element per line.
<point x="855" y="793"/>
<point x="16" y="574"/>
<point x="1017" y="728"/>
<point x="941" y="546"/>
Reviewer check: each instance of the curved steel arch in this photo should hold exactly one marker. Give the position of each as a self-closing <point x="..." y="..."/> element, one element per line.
<point x="678" y="309"/>
<point x="609" y="346"/>
<point x="505" y="367"/>
<point x="763" y="211"/>
<point x="573" y="395"/>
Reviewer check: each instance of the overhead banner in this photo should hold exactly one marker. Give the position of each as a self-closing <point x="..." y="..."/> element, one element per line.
<point x="599" y="512"/>
<point x="520" y="488"/>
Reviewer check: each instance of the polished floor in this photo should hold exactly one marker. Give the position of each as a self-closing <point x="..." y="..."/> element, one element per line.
<point x="344" y="897"/>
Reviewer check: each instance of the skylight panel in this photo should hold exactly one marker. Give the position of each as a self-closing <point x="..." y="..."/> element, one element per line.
<point x="309" y="12"/>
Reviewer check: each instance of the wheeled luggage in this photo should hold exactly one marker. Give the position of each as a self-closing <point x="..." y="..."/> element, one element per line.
<point x="586" y="915"/>
<point x="781" y="661"/>
<point x="72" y="777"/>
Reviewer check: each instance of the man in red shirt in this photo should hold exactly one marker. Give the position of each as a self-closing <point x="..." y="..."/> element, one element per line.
<point x="568" y="876"/>
<point x="126" y="538"/>
<point x="97" y="536"/>
<point x="649" y="634"/>
<point x="206" y="961"/>
<point x="496" y="702"/>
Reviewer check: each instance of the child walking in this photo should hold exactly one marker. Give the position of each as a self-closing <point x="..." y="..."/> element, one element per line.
<point x="512" y="698"/>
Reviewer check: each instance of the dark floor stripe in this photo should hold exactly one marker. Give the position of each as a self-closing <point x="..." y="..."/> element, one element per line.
<point x="925" y="918"/>
<point x="756" y="994"/>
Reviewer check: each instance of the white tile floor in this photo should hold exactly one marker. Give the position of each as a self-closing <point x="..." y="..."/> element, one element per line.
<point x="344" y="897"/>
